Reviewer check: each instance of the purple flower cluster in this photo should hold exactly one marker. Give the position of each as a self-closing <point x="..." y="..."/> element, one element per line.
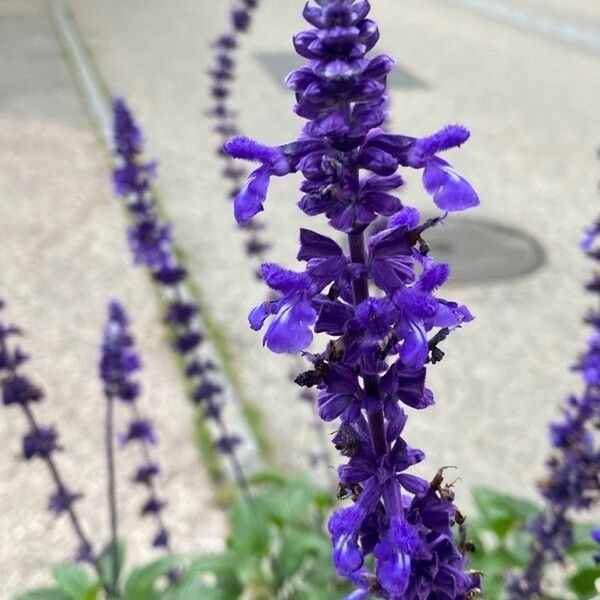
<point x="119" y="361"/>
<point x="223" y="75"/>
<point x="40" y="441"/>
<point x="395" y="540"/>
<point x="151" y="244"/>
<point x="572" y="481"/>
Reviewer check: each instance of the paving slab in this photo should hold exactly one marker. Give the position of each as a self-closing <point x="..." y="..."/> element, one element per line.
<point x="64" y="257"/>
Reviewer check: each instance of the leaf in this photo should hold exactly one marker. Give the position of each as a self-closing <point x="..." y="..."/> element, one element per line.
<point x="140" y="583"/>
<point x="75" y="582"/>
<point x="212" y="563"/>
<point x="583" y="582"/>
<point x="493" y="564"/>
<point x="290" y="504"/>
<point x="501" y="512"/>
<point x="268" y="478"/>
<point x="44" y="594"/>
<point x="192" y="590"/>
<point x="250" y="536"/>
<point x="297" y="547"/>
<point x="105" y="564"/>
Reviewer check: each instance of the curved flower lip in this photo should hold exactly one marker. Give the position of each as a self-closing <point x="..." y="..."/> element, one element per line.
<point x="450" y="191"/>
<point x="290" y="330"/>
<point x="249" y="200"/>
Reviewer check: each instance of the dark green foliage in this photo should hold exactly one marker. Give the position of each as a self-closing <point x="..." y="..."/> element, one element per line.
<point x="501" y="544"/>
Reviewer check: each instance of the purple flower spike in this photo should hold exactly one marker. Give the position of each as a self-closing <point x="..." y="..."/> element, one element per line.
<point x="40" y="441"/>
<point x="571" y="484"/>
<point x="377" y="297"/>
<point x="152" y="245"/>
<point x="118" y="362"/>
<point x="249" y="196"/>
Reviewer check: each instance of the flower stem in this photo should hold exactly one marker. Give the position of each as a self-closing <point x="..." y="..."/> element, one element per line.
<point x="235" y="464"/>
<point x="60" y="486"/>
<point x="360" y="288"/>
<point x="112" y="497"/>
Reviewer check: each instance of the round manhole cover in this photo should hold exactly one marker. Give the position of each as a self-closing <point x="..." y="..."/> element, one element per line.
<point x="480" y="250"/>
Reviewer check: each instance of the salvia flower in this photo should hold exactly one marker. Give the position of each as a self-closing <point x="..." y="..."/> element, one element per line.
<point x="119" y="361"/>
<point x="572" y="481"/>
<point x="152" y="245"/>
<point x="377" y="299"/>
<point x="41" y="441"/>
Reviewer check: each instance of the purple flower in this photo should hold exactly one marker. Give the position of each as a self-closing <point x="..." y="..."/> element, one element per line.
<point x="344" y="528"/>
<point x="40" y="441"/>
<point x="146" y="473"/>
<point x="62" y="501"/>
<point x="139" y="430"/>
<point x="19" y="390"/>
<point x="152" y="244"/>
<point x="289" y="331"/>
<point x="152" y="506"/>
<point x="161" y="539"/>
<point x="240" y="19"/>
<point x="394" y="555"/>
<point x="223" y="76"/>
<point x="376" y="295"/>
<point x="118" y="361"/>
<point x="571" y="483"/>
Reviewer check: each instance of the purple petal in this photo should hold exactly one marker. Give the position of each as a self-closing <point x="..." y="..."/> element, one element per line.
<point x="290" y="330"/>
<point x="249" y="200"/>
<point x="450" y="191"/>
<point x="315" y="245"/>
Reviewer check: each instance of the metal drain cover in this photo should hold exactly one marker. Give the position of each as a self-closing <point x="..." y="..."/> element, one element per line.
<point x="481" y="250"/>
<point x="279" y="64"/>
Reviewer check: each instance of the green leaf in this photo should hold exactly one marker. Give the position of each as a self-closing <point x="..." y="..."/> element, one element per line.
<point x="501" y="512"/>
<point x="250" y="536"/>
<point x="288" y="504"/>
<point x="44" y="594"/>
<point x="583" y="582"/>
<point x="192" y="590"/>
<point x="105" y="564"/>
<point x="268" y="478"/>
<point x="297" y="547"/>
<point x="212" y="563"/>
<point x="141" y="582"/>
<point x="75" y="582"/>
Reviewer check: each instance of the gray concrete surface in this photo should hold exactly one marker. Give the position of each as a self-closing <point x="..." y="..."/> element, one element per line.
<point x="531" y="102"/>
<point x="63" y="257"/>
